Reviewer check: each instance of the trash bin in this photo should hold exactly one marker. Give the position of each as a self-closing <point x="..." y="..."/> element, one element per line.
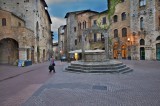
<point x="27" y="63"/>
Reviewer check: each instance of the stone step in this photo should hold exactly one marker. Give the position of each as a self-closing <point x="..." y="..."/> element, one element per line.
<point x="95" y="65"/>
<point x="97" y="68"/>
<point x="120" y="70"/>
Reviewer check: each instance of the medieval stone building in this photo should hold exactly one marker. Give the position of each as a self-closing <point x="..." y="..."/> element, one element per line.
<point x="25" y="28"/>
<point x="133" y="29"/>
<point x="145" y="25"/>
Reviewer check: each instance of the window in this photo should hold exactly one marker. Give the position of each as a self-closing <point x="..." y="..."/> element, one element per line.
<point x="123" y="16"/>
<point x="95" y="37"/>
<point x="115" y="33"/>
<point x="122" y="0"/>
<point x="27" y="0"/>
<point x="95" y="22"/>
<point x="158" y="38"/>
<point x="76" y="42"/>
<point x="124" y="32"/>
<point x="102" y="37"/>
<point x="141" y="23"/>
<point x="142" y="42"/>
<point x="142" y="3"/>
<point x="104" y="20"/>
<point x="85" y="25"/>
<point x="79" y="25"/>
<point x="19" y="24"/>
<point x="74" y="29"/>
<point x="3" y="21"/>
<point x="115" y="18"/>
<point x="159" y="21"/>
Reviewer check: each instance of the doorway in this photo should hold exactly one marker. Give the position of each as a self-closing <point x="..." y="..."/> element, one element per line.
<point x="142" y="53"/>
<point x="158" y="51"/>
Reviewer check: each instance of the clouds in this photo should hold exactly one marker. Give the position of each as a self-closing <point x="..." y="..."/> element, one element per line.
<point x="56" y="23"/>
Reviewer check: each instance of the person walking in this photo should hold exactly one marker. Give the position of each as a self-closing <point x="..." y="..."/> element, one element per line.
<point x="52" y="64"/>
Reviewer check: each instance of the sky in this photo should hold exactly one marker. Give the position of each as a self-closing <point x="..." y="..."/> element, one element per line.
<point x="58" y="9"/>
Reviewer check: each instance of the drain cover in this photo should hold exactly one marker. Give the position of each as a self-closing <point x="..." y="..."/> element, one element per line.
<point x="98" y="87"/>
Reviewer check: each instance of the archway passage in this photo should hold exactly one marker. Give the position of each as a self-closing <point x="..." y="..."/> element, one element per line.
<point x="158" y="51"/>
<point x="115" y="51"/>
<point x="8" y="51"/>
<point x="142" y="53"/>
<point x="124" y="52"/>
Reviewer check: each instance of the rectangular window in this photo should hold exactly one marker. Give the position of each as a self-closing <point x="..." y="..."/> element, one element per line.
<point x="95" y="22"/>
<point x="142" y="3"/>
<point x="0" y="22"/>
<point x="76" y="42"/>
<point x="27" y="0"/>
<point x="74" y="29"/>
<point x="95" y="37"/>
<point x="104" y="20"/>
<point x="3" y="22"/>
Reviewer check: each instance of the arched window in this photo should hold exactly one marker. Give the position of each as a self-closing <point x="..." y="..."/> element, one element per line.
<point x="115" y="18"/>
<point x="123" y="16"/>
<point x="124" y="32"/>
<point x="141" y="23"/>
<point x="3" y="21"/>
<point x="79" y="25"/>
<point x="142" y="42"/>
<point x="115" y="33"/>
<point x="142" y="3"/>
<point x="95" y="37"/>
<point x="158" y="38"/>
<point x="159" y="21"/>
<point x="85" y="24"/>
<point x="122" y="0"/>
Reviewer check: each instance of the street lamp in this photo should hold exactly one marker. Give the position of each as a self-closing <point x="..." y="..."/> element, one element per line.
<point x="129" y="51"/>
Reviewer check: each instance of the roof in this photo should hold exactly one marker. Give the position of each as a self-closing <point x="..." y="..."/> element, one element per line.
<point x="103" y="12"/>
<point x="78" y="12"/>
<point x="44" y="2"/>
<point x="13" y="14"/>
<point x="49" y="18"/>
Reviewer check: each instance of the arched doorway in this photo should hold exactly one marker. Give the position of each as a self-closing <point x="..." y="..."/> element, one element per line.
<point x="32" y="54"/>
<point x="158" y="51"/>
<point x="142" y="53"/>
<point x="115" y="51"/>
<point x="38" y="54"/>
<point x="124" y="52"/>
<point x="44" y="55"/>
<point x="9" y="51"/>
<point x="142" y="49"/>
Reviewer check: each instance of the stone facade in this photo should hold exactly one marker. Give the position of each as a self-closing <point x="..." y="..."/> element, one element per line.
<point x="61" y="41"/>
<point x="134" y="30"/>
<point x="84" y="22"/>
<point x="145" y="25"/>
<point x="34" y="24"/>
<point x="97" y="39"/>
<point x="119" y="31"/>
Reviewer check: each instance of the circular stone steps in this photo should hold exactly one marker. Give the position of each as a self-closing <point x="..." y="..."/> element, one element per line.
<point x="111" y="66"/>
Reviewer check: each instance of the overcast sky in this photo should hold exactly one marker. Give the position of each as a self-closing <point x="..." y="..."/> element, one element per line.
<point x="58" y="9"/>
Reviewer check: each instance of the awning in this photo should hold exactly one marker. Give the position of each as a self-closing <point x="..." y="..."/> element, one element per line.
<point x="87" y="51"/>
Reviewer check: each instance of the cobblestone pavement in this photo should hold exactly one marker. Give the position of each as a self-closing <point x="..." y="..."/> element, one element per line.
<point x="138" y="88"/>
